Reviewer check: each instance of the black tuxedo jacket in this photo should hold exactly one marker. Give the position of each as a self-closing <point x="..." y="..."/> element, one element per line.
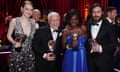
<point x="106" y="37"/>
<point x="40" y="46"/>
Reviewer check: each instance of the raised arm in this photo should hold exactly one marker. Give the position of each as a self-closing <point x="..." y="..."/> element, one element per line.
<point x="64" y="35"/>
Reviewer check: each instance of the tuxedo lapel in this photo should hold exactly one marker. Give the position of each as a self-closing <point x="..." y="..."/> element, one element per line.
<point x="101" y="32"/>
<point x="89" y="31"/>
<point x="50" y="34"/>
<point x="58" y="35"/>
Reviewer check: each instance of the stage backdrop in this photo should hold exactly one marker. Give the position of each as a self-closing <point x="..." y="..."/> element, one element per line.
<point x="12" y="7"/>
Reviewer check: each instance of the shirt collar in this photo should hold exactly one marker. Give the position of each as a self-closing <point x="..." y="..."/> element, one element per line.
<point x="100" y="22"/>
<point x="109" y="20"/>
<point x="52" y="30"/>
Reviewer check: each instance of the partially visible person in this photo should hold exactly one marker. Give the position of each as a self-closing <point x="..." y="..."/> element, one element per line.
<point x="9" y="18"/>
<point x="22" y="57"/>
<point x="101" y="41"/>
<point x="117" y="53"/>
<point x="47" y="45"/>
<point x="64" y="25"/>
<point x="118" y="26"/>
<point x="73" y="39"/>
<point x="111" y="13"/>
<point x="36" y="15"/>
<point x="44" y="17"/>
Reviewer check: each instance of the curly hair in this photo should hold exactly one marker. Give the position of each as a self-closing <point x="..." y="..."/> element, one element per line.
<point x="70" y="14"/>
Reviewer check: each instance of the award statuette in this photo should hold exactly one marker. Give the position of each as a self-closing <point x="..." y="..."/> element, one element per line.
<point x="0" y="43"/>
<point x="20" y="38"/>
<point x="51" y="45"/>
<point x="75" y="37"/>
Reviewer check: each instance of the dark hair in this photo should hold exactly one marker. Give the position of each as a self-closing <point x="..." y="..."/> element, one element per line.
<point x="70" y="14"/>
<point x="26" y="2"/>
<point x="96" y="5"/>
<point x="109" y="9"/>
<point x="44" y="12"/>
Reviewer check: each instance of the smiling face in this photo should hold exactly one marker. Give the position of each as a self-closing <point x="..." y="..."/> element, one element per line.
<point x="74" y="21"/>
<point x="27" y="10"/>
<point x="54" y="20"/>
<point x="36" y="15"/>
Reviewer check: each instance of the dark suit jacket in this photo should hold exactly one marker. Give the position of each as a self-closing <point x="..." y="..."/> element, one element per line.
<point x="40" y="46"/>
<point x="41" y="23"/>
<point x="106" y="38"/>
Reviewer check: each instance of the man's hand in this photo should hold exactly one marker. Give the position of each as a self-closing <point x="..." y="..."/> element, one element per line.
<point x="96" y="48"/>
<point x="50" y="56"/>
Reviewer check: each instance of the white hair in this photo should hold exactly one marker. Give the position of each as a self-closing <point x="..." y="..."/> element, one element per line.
<point x="53" y="13"/>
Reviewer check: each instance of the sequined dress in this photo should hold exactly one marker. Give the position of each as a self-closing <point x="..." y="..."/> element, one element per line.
<point x="23" y="61"/>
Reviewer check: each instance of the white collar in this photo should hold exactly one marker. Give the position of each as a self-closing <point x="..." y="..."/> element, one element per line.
<point x="100" y="22"/>
<point x="109" y="20"/>
<point x="52" y="29"/>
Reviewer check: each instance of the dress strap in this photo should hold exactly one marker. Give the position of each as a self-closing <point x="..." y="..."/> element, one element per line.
<point x="18" y="28"/>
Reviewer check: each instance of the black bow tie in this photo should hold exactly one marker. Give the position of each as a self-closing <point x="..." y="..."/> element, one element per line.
<point x="55" y="30"/>
<point x="95" y="24"/>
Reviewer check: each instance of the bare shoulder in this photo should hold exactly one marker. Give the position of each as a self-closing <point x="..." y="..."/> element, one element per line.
<point x="13" y="21"/>
<point x="83" y="27"/>
<point x="82" y="30"/>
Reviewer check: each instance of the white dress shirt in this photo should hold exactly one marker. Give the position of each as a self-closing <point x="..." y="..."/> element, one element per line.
<point x="109" y="20"/>
<point x="95" y="29"/>
<point x="54" y="34"/>
<point x="94" y="32"/>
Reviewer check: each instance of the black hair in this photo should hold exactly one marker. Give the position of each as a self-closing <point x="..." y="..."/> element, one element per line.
<point x="109" y="9"/>
<point x="70" y="14"/>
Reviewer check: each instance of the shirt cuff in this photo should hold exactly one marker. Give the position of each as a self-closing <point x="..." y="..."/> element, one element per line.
<point x="44" y="55"/>
<point x="37" y="25"/>
<point x="100" y="49"/>
<point x="91" y="51"/>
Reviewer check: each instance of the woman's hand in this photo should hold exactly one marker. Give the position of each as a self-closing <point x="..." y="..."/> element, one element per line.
<point x="17" y="44"/>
